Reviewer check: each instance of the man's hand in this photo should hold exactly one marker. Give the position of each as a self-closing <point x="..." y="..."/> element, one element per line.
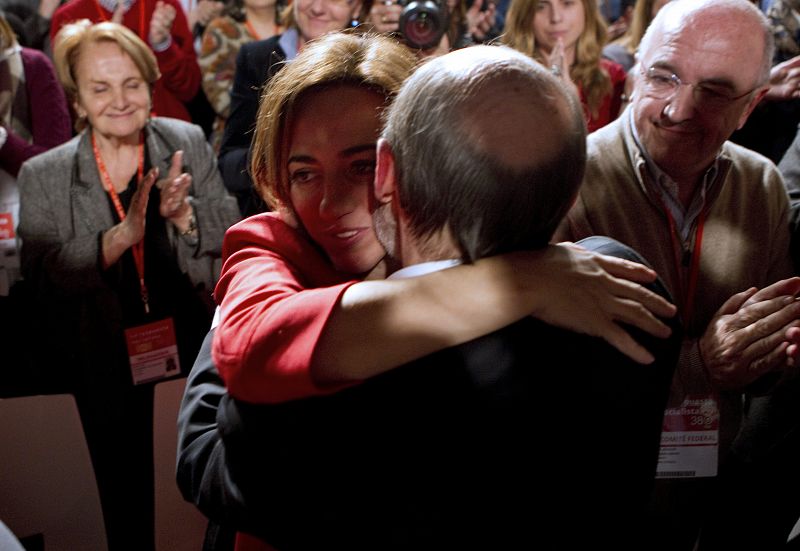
<point x="753" y="333"/>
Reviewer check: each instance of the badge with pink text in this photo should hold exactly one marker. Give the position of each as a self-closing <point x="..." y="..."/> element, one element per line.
<point x="690" y="439"/>
<point x="152" y="351"/>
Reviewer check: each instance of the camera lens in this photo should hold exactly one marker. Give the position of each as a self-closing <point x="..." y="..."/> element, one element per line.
<point x="423" y="24"/>
<point x="420" y="28"/>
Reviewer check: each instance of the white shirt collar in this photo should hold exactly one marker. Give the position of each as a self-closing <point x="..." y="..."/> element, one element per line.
<point x="423" y="268"/>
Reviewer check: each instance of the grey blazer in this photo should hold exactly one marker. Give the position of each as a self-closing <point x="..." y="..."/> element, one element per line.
<point x="64" y="210"/>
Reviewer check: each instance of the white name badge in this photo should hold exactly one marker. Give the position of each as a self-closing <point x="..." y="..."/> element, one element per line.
<point x="690" y="439"/>
<point x="152" y="351"/>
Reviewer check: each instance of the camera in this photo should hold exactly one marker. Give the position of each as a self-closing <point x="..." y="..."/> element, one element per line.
<point x="423" y="22"/>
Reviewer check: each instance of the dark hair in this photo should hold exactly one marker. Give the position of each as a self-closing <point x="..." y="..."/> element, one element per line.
<point x="372" y="61"/>
<point x="447" y="182"/>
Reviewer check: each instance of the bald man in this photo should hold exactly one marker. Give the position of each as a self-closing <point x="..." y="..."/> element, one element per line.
<point x="712" y="218"/>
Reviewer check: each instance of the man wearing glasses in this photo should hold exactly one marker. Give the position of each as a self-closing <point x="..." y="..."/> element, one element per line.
<point x="712" y="219"/>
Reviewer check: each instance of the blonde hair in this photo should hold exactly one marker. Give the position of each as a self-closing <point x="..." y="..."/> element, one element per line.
<point x="376" y="62"/>
<point x="74" y="37"/>
<point x="7" y="36"/>
<point x="586" y="72"/>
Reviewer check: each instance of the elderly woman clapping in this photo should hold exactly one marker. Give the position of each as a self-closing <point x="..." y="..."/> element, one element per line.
<point x="122" y="228"/>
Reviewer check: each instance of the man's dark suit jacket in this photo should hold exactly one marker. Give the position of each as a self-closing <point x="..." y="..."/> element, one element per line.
<point x="530" y="437"/>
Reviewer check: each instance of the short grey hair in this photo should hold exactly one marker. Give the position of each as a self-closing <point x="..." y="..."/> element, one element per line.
<point x="446" y="181"/>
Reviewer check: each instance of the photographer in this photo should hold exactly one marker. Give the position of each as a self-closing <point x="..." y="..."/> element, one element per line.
<point x="436" y="26"/>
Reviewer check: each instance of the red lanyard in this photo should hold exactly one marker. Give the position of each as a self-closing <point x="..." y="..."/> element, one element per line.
<point x="251" y="29"/>
<point x="142" y="30"/>
<point x="138" y="248"/>
<point x="687" y="293"/>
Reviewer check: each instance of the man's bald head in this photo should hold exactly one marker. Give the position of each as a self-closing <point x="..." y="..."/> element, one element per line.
<point x="740" y="18"/>
<point x="489" y="145"/>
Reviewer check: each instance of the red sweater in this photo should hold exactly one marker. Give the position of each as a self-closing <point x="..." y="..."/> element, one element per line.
<point x="180" y="74"/>
<point x="610" y="106"/>
<point x="276" y="293"/>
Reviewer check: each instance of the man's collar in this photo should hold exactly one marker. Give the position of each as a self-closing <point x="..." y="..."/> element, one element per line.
<point x="288" y="43"/>
<point x="424" y="268"/>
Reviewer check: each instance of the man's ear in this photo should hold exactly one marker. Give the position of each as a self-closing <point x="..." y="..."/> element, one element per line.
<point x="752" y="105"/>
<point x="385" y="176"/>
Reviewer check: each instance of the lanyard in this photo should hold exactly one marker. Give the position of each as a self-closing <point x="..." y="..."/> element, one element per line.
<point x="138" y="248"/>
<point x="142" y="30"/>
<point x="251" y="29"/>
<point x="688" y="292"/>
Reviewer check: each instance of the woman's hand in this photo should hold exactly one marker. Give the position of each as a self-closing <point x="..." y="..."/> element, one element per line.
<point x="130" y="231"/>
<point x="204" y="12"/>
<point x="592" y="293"/>
<point x="174" y="188"/>
<point x="119" y="13"/>
<point x="161" y="23"/>
<point x="384" y="16"/>
<point x="558" y="65"/>
<point x="480" y="22"/>
<point x="47" y="7"/>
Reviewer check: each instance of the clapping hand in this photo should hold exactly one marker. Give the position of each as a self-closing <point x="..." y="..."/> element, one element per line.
<point x="174" y="188"/>
<point x="161" y="23"/>
<point x="204" y="12"/>
<point x="784" y="81"/>
<point x="753" y="333"/>
<point x="479" y="22"/>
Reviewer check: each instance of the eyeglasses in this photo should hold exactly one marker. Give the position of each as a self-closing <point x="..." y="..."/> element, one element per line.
<point x="661" y="83"/>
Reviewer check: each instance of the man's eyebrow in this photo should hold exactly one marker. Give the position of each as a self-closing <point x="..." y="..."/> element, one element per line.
<point x="667" y="66"/>
<point x="719" y="81"/>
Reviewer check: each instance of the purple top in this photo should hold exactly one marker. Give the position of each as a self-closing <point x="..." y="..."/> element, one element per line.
<point x="50" y="118"/>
